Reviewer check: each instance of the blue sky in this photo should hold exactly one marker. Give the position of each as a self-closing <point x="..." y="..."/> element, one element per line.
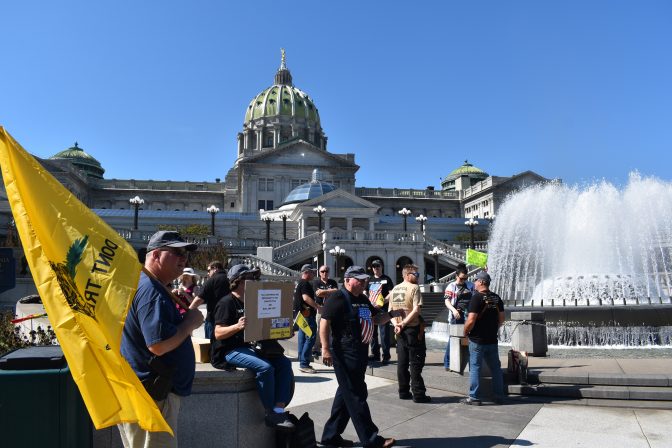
<point x="579" y="90"/>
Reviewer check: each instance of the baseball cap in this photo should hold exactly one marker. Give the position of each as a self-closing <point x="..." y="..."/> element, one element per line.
<point x="240" y="269"/>
<point x="482" y="275"/>
<point x="307" y="267"/>
<point x="168" y="238"/>
<point x="376" y="263"/>
<point x="357" y="272"/>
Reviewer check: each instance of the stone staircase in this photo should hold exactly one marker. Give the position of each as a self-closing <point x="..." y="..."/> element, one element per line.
<point x="650" y="390"/>
<point x="298" y="250"/>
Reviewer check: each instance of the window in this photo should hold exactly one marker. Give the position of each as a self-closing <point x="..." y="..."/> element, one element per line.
<point x="233" y="204"/>
<point x="296" y="182"/>
<point x="265" y="204"/>
<point x="266" y="184"/>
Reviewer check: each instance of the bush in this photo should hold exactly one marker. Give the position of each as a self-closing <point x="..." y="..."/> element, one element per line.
<point x="11" y="337"/>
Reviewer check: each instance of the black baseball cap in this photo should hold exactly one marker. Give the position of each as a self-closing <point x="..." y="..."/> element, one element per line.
<point x="168" y="238"/>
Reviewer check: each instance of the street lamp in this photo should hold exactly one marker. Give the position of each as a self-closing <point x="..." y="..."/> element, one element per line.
<point x="136" y="202"/>
<point x="320" y="211"/>
<point x="472" y="223"/>
<point x="422" y="219"/>
<point x="284" y="217"/>
<point x="337" y="252"/>
<point x="213" y="211"/>
<point x="267" y="219"/>
<point x="435" y="252"/>
<point x="404" y="212"/>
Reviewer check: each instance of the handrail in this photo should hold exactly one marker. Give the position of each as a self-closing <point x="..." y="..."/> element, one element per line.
<point x="311" y="242"/>
<point x="266" y="267"/>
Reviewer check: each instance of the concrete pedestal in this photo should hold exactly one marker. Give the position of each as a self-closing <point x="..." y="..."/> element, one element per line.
<point x="224" y="410"/>
<point x="529" y="334"/>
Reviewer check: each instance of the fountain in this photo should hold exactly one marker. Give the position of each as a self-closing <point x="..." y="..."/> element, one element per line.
<point x="556" y="245"/>
<point x="597" y="260"/>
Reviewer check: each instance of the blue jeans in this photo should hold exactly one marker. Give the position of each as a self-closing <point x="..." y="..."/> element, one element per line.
<point x="274" y="375"/>
<point x="489" y="353"/>
<point x="306" y="343"/>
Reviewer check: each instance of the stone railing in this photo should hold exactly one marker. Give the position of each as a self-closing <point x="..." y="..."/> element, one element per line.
<point x="267" y="267"/>
<point x="480" y="186"/>
<point x="481" y="246"/>
<point x="142" y="237"/>
<point x="372" y="236"/>
<point x="453" y="254"/>
<point x="405" y="193"/>
<point x="309" y="245"/>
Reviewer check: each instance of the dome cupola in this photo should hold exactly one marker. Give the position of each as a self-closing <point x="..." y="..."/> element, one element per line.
<point x="278" y="114"/>
<point x="463" y="177"/>
<point x="81" y="160"/>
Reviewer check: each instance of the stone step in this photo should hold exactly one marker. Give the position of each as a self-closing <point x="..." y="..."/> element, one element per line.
<point x="606" y="379"/>
<point x="594" y="391"/>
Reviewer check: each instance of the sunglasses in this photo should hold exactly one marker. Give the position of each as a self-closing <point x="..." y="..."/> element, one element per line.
<point x="324" y="270"/>
<point x="415" y="274"/>
<point x="177" y="251"/>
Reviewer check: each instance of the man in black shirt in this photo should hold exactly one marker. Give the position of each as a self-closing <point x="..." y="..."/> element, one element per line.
<point x="273" y="374"/>
<point x="349" y="317"/>
<point x="380" y="286"/>
<point x="215" y="287"/>
<point x="486" y="315"/>
<point x="324" y="287"/>
<point x="304" y="303"/>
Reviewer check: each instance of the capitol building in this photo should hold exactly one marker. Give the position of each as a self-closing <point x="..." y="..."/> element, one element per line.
<point x="288" y="199"/>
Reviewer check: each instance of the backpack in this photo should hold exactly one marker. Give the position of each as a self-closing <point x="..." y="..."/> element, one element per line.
<point x="303" y="435"/>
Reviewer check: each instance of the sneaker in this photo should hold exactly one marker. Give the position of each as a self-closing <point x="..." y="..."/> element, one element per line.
<point x="385" y="361"/>
<point x="374" y="358"/>
<point x="308" y="369"/>
<point x="279" y="421"/>
<point x="337" y="442"/>
<point x="470" y="401"/>
<point x="422" y="399"/>
<point x="405" y="395"/>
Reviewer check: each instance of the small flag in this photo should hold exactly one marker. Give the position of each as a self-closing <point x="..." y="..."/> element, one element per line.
<point x="303" y="324"/>
<point x="477" y="258"/>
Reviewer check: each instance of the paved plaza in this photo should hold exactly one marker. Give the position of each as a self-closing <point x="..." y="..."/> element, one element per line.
<point x="522" y="421"/>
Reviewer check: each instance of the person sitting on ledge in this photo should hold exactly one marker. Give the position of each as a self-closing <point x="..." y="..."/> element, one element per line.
<point x="274" y="375"/>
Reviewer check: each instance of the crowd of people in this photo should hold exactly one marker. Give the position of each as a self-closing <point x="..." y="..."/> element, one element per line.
<point x="349" y="327"/>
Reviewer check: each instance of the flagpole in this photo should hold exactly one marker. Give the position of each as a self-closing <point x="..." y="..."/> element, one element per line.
<point x="178" y="300"/>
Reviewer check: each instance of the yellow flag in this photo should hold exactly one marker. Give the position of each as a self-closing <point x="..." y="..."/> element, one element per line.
<point x="86" y="275"/>
<point x="477" y="258"/>
<point x="303" y="324"/>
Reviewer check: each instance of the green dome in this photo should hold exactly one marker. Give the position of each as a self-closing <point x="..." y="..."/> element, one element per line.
<point x="83" y="161"/>
<point x="283" y="99"/>
<point x="467" y="169"/>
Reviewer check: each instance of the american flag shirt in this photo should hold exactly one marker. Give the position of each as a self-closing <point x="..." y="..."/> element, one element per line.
<point x="365" y="321"/>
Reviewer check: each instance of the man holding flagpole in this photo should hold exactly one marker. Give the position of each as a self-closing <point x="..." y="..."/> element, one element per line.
<point x="156" y="338"/>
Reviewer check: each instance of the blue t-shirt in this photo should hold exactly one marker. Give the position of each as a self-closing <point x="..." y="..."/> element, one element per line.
<point x="153" y="318"/>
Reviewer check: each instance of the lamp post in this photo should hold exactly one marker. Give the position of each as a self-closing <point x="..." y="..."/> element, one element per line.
<point x="284" y="217"/>
<point x="404" y="212"/>
<point x="213" y="211"/>
<point x="435" y="252"/>
<point x="320" y="211"/>
<point x="422" y="219"/>
<point x="136" y="202"/>
<point x="472" y="223"/>
<point x="337" y="252"/>
<point x="267" y="219"/>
